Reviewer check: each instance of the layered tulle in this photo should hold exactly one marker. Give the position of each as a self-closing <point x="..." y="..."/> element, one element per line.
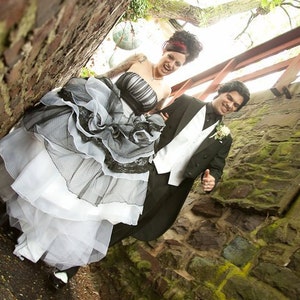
<point x="77" y="165"/>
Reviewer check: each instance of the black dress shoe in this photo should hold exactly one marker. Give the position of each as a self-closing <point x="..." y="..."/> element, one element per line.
<point x="11" y="232"/>
<point x="4" y="220"/>
<point x="55" y="280"/>
<point x="2" y="207"/>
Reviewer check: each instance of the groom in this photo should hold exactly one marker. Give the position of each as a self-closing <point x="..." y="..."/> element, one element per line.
<point x="194" y="142"/>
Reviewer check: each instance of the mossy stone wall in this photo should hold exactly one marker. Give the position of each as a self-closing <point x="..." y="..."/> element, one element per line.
<point x="240" y="242"/>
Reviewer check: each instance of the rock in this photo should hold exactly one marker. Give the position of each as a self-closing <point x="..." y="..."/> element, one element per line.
<point x="240" y="251"/>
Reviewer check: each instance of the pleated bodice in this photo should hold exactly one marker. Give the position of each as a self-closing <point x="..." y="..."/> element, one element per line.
<point x="136" y="92"/>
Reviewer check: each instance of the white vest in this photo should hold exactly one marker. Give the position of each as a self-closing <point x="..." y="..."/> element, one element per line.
<point x="175" y="156"/>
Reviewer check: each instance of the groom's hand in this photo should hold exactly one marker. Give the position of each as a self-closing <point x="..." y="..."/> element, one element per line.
<point x="208" y="181"/>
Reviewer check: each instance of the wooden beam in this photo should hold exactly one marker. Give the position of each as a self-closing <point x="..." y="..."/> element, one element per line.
<point x="285" y="41"/>
<point x="187" y="85"/>
<point x="217" y="80"/>
<point x="272" y="47"/>
<point x="289" y="75"/>
<point x="265" y="71"/>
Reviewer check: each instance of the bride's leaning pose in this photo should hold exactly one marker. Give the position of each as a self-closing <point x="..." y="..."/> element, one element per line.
<point x="77" y="163"/>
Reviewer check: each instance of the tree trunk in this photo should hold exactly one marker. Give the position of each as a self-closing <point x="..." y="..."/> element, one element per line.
<point x="202" y="17"/>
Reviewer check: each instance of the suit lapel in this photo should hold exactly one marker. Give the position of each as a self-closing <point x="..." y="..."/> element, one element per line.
<point x="190" y="112"/>
<point x="206" y="143"/>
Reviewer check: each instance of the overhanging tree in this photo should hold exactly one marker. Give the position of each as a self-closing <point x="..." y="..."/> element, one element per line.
<point x="201" y="17"/>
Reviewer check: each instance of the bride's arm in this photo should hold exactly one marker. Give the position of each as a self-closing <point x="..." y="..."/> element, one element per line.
<point x="123" y="66"/>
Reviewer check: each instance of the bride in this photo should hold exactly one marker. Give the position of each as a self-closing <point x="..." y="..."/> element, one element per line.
<point x="77" y="163"/>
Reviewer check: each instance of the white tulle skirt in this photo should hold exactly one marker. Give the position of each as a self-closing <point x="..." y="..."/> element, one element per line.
<point x="57" y="226"/>
<point x="63" y="199"/>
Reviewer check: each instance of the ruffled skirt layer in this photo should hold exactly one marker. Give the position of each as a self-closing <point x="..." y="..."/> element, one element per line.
<point x="58" y="188"/>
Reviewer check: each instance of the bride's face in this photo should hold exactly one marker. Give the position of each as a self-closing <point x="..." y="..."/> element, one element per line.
<point x="170" y="62"/>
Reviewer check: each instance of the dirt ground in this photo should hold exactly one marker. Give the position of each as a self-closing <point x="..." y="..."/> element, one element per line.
<point x="26" y="280"/>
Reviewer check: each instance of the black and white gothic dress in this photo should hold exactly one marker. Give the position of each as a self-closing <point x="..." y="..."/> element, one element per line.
<point x="77" y="165"/>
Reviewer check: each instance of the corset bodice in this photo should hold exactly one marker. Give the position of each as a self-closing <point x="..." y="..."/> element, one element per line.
<point x="136" y="92"/>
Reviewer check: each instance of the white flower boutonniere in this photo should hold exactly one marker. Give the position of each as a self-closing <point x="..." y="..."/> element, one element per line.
<point x="221" y="132"/>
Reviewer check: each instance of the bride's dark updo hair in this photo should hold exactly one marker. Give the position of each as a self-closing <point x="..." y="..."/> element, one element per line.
<point x="184" y="42"/>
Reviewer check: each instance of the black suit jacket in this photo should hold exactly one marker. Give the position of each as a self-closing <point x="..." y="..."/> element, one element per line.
<point x="163" y="201"/>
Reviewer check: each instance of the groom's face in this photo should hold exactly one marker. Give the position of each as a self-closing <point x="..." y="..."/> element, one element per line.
<point x="227" y="102"/>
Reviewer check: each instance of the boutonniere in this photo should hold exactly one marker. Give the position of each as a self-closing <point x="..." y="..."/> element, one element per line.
<point x="221" y="132"/>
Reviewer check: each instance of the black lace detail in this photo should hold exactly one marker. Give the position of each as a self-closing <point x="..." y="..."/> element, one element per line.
<point x="85" y="116"/>
<point x="140" y="165"/>
<point x="66" y="95"/>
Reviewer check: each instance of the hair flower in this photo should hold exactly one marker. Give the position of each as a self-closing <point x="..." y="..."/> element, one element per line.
<point x="222" y="131"/>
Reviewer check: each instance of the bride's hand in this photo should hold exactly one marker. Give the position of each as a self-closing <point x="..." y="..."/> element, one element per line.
<point x="165" y="116"/>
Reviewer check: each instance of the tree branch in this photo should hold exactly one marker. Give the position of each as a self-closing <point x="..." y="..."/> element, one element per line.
<point x="251" y="18"/>
<point x="290" y="21"/>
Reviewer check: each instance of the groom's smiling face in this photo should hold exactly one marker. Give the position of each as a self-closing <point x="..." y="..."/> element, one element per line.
<point x="227" y="102"/>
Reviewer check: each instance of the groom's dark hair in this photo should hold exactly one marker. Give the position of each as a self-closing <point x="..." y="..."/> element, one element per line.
<point x="237" y="86"/>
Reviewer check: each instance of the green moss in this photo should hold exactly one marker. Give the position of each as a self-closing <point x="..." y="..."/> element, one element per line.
<point x="268" y="232"/>
<point x="229" y="186"/>
<point x="6" y="100"/>
<point x="283" y="166"/>
<point x="207" y="270"/>
<point x="140" y="264"/>
<point x="296" y="134"/>
<point x="168" y="259"/>
<point x="143" y="265"/>
<point x="286" y="149"/>
<point x="245" y="126"/>
<point x="262" y="110"/>
<point x="137" y="9"/>
<point x="282" y="231"/>
<point x="28" y="20"/>
<point x="86" y="72"/>
<point x="127" y="278"/>
<point x="264" y="194"/>
<point x="266" y="152"/>
<point x="219" y="274"/>
<point x="175" y="294"/>
<point x="225" y="268"/>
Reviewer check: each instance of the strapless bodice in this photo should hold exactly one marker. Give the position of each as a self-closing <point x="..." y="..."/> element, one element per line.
<point x="136" y="92"/>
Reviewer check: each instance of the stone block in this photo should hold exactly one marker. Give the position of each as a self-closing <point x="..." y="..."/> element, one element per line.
<point x="207" y="207"/>
<point x="240" y="287"/>
<point x="240" y="251"/>
<point x="279" y="277"/>
<point x="294" y="263"/>
<point x="209" y="270"/>
<point x="207" y="237"/>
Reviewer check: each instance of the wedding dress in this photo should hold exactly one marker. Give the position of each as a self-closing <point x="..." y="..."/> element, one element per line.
<point x="76" y="165"/>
